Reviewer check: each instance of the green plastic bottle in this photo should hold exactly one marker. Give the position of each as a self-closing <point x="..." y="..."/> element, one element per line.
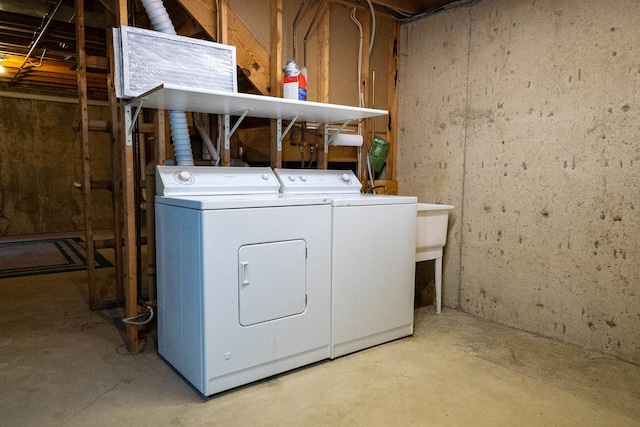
<point x="378" y="153"/>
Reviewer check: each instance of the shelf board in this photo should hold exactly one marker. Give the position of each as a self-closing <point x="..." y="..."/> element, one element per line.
<point x="171" y="97"/>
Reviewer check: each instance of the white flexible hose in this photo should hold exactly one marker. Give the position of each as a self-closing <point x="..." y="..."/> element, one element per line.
<point x="179" y="129"/>
<point x="201" y="122"/>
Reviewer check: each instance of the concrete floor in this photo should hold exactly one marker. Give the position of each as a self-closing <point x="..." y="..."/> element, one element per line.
<point x="61" y="364"/>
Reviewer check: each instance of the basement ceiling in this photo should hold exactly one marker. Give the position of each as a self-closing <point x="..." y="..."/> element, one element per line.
<point x="38" y="42"/>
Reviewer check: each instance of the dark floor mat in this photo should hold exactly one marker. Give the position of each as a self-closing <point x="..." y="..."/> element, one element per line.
<point x="31" y="257"/>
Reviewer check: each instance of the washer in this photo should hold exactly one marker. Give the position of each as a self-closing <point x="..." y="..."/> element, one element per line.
<point x="243" y="277"/>
<point x="373" y="258"/>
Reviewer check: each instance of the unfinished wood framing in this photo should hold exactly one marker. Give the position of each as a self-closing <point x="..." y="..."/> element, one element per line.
<point x="276" y="74"/>
<point x="115" y="128"/>
<point x="392" y="101"/>
<point x="364" y="126"/>
<point x="130" y="266"/>
<point x="323" y="73"/>
<point x="252" y="58"/>
<point x="204" y="13"/>
<point x="86" y="166"/>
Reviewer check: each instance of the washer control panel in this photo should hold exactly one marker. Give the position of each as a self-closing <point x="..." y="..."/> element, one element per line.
<point x="210" y="180"/>
<point x="317" y="181"/>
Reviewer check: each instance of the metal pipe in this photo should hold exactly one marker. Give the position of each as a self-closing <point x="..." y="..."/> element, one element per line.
<point x="295" y="22"/>
<point x="37" y="40"/>
<point x="306" y="36"/>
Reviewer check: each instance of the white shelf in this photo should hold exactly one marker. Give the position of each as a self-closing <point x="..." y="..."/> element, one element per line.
<point x="171" y="97"/>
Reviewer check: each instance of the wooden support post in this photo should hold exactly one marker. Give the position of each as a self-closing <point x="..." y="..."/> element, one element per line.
<point x="160" y="126"/>
<point x="128" y="206"/>
<point x="130" y="266"/>
<point x="159" y="158"/>
<point x="86" y="166"/>
<point x="392" y="102"/>
<point x="225" y="138"/>
<point x="276" y="74"/>
<point x="323" y="73"/>
<point x="223" y="22"/>
<point x="116" y="194"/>
<point x="365" y="126"/>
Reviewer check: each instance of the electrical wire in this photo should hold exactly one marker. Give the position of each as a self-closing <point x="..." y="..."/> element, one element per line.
<point x="355" y="20"/>
<point x="39" y="64"/>
<point x="405" y="18"/>
<point x="132" y="321"/>
<point x="373" y="26"/>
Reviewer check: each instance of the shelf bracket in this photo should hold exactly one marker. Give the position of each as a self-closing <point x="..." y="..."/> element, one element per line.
<point x="281" y="135"/>
<point x="132" y="120"/>
<point x="328" y="139"/>
<point x="228" y="130"/>
<point x="235" y="127"/>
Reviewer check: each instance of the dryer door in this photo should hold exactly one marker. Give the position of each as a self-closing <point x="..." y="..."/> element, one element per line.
<point x="272" y="281"/>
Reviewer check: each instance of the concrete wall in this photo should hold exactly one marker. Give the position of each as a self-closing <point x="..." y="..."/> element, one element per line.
<point x="525" y="115"/>
<point x="40" y="161"/>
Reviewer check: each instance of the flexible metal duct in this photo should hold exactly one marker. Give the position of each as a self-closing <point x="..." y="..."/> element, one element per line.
<point x="178" y="119"/>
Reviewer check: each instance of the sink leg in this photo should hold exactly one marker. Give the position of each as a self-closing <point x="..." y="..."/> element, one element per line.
<point x="438" y="285"/>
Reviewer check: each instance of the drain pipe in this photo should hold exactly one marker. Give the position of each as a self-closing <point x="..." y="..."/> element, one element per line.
<point x="178" y="119"/>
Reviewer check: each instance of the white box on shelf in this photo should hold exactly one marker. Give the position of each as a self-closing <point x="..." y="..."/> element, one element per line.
<point x="145" y="59"/>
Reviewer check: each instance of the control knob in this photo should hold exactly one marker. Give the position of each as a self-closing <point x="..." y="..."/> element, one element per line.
<point x="184" y="176"/>
<point x="344" y="177"/>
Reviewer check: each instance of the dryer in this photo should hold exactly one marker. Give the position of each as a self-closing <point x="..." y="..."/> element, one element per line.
<point x="243" y="275"/>
<point x="372" y="261"/>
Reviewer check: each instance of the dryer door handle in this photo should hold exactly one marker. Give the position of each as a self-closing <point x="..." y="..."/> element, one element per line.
<point x="245" y="272"/>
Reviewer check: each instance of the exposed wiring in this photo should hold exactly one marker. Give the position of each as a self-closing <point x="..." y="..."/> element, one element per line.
<point x="132" y="321"/>
<point x="405" y="18"/>
<point x="355" y="20"/>
<point x="373" y="26"/>
<point x="39" y="64"/>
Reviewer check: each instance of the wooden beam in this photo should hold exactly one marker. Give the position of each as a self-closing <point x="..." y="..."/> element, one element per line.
<point x="86" y="166"/>
<point x="122" y="12"/>
<point x="251" y="56"/>
<point x="223" y="22"/>
<point x="115" y="129"/>
<point x="366" y="126"/>
<point x="392" y="99"/>
<point x="276" y="73"/>
<point x="204" y="13"/>
<point x="323" y="70"/>
<point x="130" y="266"/>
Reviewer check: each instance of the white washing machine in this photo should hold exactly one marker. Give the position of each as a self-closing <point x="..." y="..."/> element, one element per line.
<point x="373" y="258"/>
<point x="243" y="276"/>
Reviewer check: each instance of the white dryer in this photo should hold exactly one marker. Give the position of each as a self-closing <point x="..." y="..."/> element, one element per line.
<point x="243" y="277"/>
<point x="373" y="258"/>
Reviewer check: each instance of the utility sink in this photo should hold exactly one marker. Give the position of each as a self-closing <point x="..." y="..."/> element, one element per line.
<point x="431" y="230"/>
<point x="431" y="236"/>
